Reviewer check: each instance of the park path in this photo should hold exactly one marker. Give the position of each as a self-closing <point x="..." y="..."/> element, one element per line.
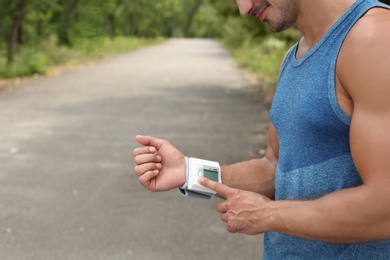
<point x="67" y="188"/>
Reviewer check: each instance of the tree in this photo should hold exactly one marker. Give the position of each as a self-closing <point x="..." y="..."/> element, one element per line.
<point x="15" y="34"/>
<point x="63" y="36"/>
<point x="111" y="10"/>
<point x="190" y="16"/>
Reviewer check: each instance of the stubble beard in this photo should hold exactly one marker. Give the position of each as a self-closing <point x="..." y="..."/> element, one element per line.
<point x="287" y="16"/>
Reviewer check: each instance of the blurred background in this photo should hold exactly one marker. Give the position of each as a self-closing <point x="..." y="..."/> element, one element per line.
<point x="39" y="36"/>
<point x="67" y="131"/>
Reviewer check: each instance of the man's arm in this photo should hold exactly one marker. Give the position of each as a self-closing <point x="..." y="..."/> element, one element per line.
<point x="160" y="166"/>
<point x="257" y="175"/>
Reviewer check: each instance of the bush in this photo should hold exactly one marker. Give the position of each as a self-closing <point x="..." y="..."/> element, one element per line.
<point x="28" y="62"/>
<point x="38" y="60"/>
<point x="60" y="55"/>
<point x="100" y="47"/>
<point x="262" y="55"/>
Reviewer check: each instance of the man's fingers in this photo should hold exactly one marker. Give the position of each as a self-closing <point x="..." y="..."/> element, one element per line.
<point x="147" y="158"/>
<point x="221" y="207"/>
<point x="147" y="177"/>
<point x="224" y="217"/>
<point x="141" y="169"/>
<point x="231" y="227"/>
<point x="220" y="188"/>
<point x="144" y="150"/>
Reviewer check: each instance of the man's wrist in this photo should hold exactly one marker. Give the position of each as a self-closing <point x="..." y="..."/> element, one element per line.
<point x="184" y="185"/>
<point x="273" y="220"/>
<point x="282" y="214"/>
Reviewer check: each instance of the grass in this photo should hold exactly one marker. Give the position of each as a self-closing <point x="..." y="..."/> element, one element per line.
<point x="41" y="59"/>
<point x="262" y="55"/>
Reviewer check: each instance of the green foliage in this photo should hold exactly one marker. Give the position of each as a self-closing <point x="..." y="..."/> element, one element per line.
<point x="254" y="47"/>
<point x="38" y="60"/>
<point x="59" y="55"/>
<point x="264" y="55"/>
<point x="251" y="43"/>
<point x="207" y="22"/>
<point x="101" y="47"/>
<point x="62" y="32"/>
<point x="28" y="62"/>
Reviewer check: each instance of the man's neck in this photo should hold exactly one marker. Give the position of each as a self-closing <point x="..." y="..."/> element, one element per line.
<point x="316" y="17"/>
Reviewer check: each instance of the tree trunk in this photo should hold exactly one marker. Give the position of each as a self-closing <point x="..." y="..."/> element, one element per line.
<point x="63" y="36"/>
<point x="110" y="18"/>
<point x="190" y="16"/>
<point x="20" y="39"/>
<point x="15" y="30"/>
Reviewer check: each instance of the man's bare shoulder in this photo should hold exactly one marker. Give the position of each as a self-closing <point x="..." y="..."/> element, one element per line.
<point x="365" y="53"/>
<point x="371" y="30"/>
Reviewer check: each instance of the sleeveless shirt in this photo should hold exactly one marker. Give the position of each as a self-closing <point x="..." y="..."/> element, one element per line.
<point x="313" y="133"/>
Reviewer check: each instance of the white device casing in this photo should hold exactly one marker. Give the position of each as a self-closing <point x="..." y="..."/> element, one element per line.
<point x="195" y="169"/>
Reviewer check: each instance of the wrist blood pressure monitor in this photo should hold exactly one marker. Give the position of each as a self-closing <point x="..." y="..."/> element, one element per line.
<point x="196" y="168"/>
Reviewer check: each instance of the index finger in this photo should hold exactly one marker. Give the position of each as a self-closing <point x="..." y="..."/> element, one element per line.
<point x="220" y="188"/>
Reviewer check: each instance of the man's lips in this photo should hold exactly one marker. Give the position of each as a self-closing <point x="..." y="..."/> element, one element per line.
<point x="262" y="13"/>
<point x="259" y="12"/>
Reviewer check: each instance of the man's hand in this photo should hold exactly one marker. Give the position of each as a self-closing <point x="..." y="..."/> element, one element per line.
<point x="159" y="165"/>
<point x="243" y="211"/>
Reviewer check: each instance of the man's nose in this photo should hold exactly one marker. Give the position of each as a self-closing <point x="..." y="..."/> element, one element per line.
<point x="244" y="6"/>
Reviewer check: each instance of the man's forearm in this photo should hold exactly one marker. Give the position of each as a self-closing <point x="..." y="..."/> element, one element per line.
<point x="256" y="175"/>
<point x="352" y="215"/>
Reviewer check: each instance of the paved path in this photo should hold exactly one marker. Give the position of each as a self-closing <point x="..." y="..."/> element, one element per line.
<point x="67" y="188"/>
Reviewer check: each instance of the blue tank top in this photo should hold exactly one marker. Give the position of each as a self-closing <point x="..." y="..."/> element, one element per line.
<point x="313" y="132"/>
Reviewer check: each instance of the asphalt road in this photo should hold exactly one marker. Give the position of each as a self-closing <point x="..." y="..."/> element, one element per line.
<point x="67" y="187"/>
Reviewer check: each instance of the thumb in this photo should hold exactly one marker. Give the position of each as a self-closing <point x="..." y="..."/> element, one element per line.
<point x="144" y="140"/>
<point x="149" y="141"/>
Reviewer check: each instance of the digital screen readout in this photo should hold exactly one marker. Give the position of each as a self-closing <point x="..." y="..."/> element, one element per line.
<point x="212" y="175"/>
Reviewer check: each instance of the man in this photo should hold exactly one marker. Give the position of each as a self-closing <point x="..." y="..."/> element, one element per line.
<point x="322" y="189"/>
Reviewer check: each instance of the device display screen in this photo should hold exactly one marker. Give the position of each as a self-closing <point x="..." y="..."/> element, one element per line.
<point x="212" y="175"/>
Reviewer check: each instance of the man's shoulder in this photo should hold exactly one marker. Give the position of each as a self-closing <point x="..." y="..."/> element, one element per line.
<point x="369" y="36"/>
<point x="365" y="53"/>
<point x="373" y="27"/>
